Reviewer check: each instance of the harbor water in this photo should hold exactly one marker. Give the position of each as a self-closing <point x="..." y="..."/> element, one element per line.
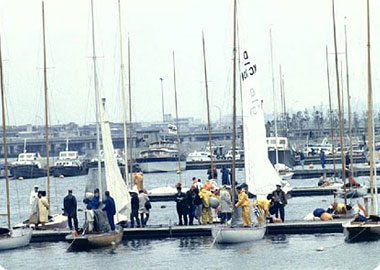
<point x="323" y="251"/>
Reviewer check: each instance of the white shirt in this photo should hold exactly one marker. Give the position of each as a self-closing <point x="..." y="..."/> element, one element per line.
<point x="33" y="195"/>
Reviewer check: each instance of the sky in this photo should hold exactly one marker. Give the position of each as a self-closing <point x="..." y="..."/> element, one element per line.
<point x="301" y="29"/>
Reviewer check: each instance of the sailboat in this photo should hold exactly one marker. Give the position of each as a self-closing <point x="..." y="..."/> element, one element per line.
<point x="359" y="228"/>
<point x="9" y="239"/>
<point x="109" y="179"/>
<point x="260" y="175"/>
<point x="57" y="220"/>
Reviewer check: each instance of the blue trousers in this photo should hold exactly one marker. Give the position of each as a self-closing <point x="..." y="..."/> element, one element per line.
<point x="111" y="221"/>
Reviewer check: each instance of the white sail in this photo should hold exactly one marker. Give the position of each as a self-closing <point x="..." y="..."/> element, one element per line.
<point x="261" y="177"/>
<point x="114" y="181"/>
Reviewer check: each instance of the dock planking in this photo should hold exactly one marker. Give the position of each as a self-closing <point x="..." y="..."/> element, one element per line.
<point x="165" y="231"/>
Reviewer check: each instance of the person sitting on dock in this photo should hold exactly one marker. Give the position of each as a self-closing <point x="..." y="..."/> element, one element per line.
<point x="243" y="202"/>
<point x="110" y="209"/>
<point x="143" y="211"/>
<point x="43" y="209"/>
<point x="225" y="204"/>
<point x="225" y="176"/>
<point x="134" y="210"/>
<point x="279" y="200"/>
<point x="340" y="208"/>
<point x="322" y="214"/>
<point x="181" y="205"/>
<point x="70" y="209"/>
<point x="206" y="208"/>
<point x="323" y="159"/>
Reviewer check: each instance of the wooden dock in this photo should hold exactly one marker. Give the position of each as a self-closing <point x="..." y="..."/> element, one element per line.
<point x="164" y="231"/>
<point x="318" y="172"/>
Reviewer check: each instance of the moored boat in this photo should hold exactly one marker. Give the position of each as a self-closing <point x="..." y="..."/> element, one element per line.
<point x="229" y="235"/>
<point x="15" y="238"/>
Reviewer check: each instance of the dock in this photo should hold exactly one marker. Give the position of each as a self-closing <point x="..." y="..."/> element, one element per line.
<point x="318" y="172"/>
<point x="165" y="231"/>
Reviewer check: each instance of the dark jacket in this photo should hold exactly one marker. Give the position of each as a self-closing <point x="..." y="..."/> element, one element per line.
<point x="70" y="205"/>
<point x="210" y="174"/>
<point x="135" y="203"/>
<point x="180" y="199"/>
<point x="93" y="204"/>
<point x="225" y="176"/>
<point x="109" y="206"/>
<point x="279" y="197"/>
<point x="190" y="196"/>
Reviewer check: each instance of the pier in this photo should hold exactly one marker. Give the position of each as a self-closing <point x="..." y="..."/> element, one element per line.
<point x="318" y="172"/>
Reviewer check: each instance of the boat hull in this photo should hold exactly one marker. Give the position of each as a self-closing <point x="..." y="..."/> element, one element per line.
<point x="361" y="231"/>
<point x="160" y="165"/>
<point x="228" y="235"/>
<point x="18" y="238"/>
<point x="88" y="241"/>
<point x="68" y="171"/>
<point x="57" y="221"/>
<point x="27" y="171"/>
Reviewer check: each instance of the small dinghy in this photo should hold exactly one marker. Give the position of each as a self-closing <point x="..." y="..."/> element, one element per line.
<point x="11" y="239"/>
<point x="229" y="235"/>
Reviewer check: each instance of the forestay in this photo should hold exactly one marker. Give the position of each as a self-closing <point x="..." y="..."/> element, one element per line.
<point x="114" y="181"/>
<point x="261" y="176"/>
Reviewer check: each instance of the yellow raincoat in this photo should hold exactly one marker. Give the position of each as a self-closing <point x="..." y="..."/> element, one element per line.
<point x="204" y="194"/>
<point x="264" y="209"/>
<point x="244" y="204"/>
<point x="138" y="180"/>
<point x="43" y="210"/>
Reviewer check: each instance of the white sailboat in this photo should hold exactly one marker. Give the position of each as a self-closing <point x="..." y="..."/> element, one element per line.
<point x="9" y="239"/>
<point x="261" y="177"/>
<point x="112" y="179"/>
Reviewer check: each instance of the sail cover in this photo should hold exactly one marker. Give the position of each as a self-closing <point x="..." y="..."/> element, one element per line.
<point x="261" y="177"/>
<point x="114" y="181"/>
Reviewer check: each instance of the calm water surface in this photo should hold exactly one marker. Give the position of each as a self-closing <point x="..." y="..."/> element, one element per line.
<point x="287" y="252"/>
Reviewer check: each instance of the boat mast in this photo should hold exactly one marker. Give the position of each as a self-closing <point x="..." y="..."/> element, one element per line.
<point x="370" y="122"/>
<point x="130" y="113"/>
<point x="177" y="122"/>
<point x="348" y="101"/>
<point x="241" y="92"/>
<point x="5" y="139"/>
<point x="331" y="113"/>
<point x="97" y="99"/>
<point x="339" y="107"/>
<point x="234" y="107"/>
<point x="208" y="107"/>
<point x="162" y="99"/>
<point x="67" y="144"/>
<point x="282" y="92"/>
<point x="274" y="98"/>
<point x="123" y="96"/>
<point x="25" y="145"/>
<point x="46" y="104"/>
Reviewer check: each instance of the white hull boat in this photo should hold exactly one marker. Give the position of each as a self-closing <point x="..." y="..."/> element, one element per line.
<point x="57" y="221"/>
<point x="358" y="231"/>
<point x="228" y="235"/>
<point x="15" y="238"/>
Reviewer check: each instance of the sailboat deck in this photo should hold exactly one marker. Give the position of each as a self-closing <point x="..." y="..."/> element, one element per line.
<point x="164" y="231"/>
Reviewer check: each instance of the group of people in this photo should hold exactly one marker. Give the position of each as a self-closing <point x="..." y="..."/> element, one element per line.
<point x="140" y="207"/>
<point x="39" y="207"/>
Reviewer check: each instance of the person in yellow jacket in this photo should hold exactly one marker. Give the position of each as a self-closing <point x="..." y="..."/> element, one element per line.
<point x="204" y="194"/>
<point x="43" y="208"/>
<point x="263" y="206"/>
<point x="244" y="204"/>
<point x="138" y="180"/>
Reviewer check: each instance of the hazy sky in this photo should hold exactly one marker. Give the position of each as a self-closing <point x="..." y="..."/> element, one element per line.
<point x="300" y="28"/>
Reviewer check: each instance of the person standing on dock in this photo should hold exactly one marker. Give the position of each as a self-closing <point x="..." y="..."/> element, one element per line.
<point x="190" y="197"/>
<point x="302" y="159"/>
<point x="323" y="159"/>
<point x="134" y="210"/>
<point x="225" y="176"/>
<point x="33" y="196"/>
<point x="206" y="208"/>
<point x="279" y="200"/>
<point x="225" y="205"/>
<point x="138" y="180"/>
<point x="198" y="204"/>
<point x="43" y="209"/>
<point x="243" y="202"/>
<point x="143" y="211"/>
<point x="110" y="209"/>
<point x="70" y="209"/>
<point x="212" y="172"/>
<point x="33" y="200"/>
<point x="181" y="205"/>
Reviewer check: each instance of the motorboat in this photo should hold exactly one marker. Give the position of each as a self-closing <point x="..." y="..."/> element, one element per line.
<point x="28" y="165"/>
<point x="68" y="164"/>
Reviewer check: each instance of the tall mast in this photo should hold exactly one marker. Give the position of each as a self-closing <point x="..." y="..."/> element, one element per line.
<point x="5" y="139"/>
<point x="274" y="97"/>
<point x="283" y="108"/>
<point x="370" y="122"/>
<point x="162" y="99"/>
<point x="339" y="106"/>
<point x="241" y="91"/>
<point x="177" y="122"/>
<point x="331" y="113"/>
<point x="208" y="108"/>
<point x="97" y="99"/>
<point x="46" y="104"/>
<point x="130" y="113"/>
<point x="348" y="101"/>
<point x="123" y="96"/>
<point x="234" y="107"/>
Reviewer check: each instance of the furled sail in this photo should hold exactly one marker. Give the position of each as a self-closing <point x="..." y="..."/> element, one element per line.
<point x="261" y="177"/>
<point x="114" y="181"/>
